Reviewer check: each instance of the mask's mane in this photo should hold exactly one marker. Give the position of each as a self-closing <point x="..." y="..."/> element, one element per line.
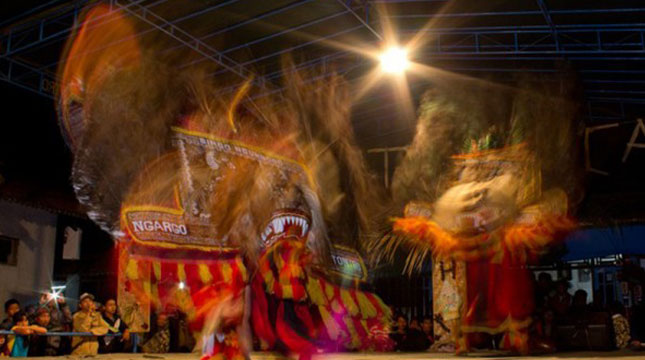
<point x="460" y="117"/>
<point x="119" y="117"/>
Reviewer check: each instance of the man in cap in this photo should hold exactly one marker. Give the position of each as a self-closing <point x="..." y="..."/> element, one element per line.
<point x="87" y="320"/>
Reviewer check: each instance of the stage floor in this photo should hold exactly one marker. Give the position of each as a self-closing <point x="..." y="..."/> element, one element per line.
<point x="631" y="355"/>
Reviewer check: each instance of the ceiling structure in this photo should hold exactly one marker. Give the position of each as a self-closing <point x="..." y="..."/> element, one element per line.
<point x="604" y="42"/>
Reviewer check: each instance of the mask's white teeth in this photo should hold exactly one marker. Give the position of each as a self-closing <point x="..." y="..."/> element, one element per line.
<point x="303" y="229"/>
<point x="277" y="225"/>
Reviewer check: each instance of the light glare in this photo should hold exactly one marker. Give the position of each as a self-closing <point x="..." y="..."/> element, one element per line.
<point x="394" y="60"/>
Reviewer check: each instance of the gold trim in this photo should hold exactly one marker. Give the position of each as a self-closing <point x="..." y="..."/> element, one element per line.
<point x="238" y="143"/>
<point x="179" y="211"/>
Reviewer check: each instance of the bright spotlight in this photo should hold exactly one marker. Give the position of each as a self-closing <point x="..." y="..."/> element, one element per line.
<point x="181" y="285"/>
<point x="394" y="60"/>
<point x="56" y="292"/>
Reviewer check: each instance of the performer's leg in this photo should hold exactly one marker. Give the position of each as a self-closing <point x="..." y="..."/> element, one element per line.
<point x="517" y="341"/>
<point x="243" y="329"/>
<point x="221" y="327"/>
<point x="462" y="342"/>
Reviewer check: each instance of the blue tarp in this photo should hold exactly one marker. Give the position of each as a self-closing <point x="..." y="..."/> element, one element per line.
<point x="600" y="242"/>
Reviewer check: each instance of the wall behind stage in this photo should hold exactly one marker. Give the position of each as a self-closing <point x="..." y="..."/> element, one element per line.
<point x="35" y="230"/>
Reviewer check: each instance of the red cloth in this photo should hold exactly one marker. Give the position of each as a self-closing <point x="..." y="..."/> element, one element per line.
<point x="499" y="300"/>
<point x="496" y="291"/>
<point x="294" y="341"/>
<point x="260" y="315"/>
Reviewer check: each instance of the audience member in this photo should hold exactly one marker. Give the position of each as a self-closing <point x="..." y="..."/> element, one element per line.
<point x="111" y="344"/>
<point x="181" y="339"/>
<point x="4" y="348"/>
<point x="399" y="332"/>
<point x="22" y="330"/>
<point x="561" y="299"/>
<point x="543" y="289"/>
<point x="542" y="332"/>
<point x="428" y="331"/>
<point x="579" y="304"/>
<point x="171" y="333"/>
<point x="43" y="345"/>
<point x="61" y="320"/>
<point x="158" y="341"/>
<point x="597" y="304"/>
<point x="87" y="320"/>
<point x="415" y="339"/>
<point x="30" y="311"/>
<point x="408" y="338"/>
<point x="98" y="307"/>
<point x="638" y="326"/>
<point x="61" y="316"/>
<point x="548" y="324"/>
<point x="11" y="307"/>
<point x="621" y="325"/>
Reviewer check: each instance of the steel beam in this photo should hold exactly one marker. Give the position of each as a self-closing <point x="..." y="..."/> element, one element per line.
<point x="535" y="40"/>
<point x="189" y="41"/>
<point x="29" y="12"/>
<point x="274" y="35"/>
<point x="13" y="72"/>
<point x="43" y="31"/>
<point x="360" y="19"/>
<point x="588" y="42"/>
<point x="249" y="21"/>
<point x="27" y="36"/>
<point x="301" y="45"/>
<point x="517" y="13"/>
<point x="549" y="21"/>
<point x="147" y="31"/>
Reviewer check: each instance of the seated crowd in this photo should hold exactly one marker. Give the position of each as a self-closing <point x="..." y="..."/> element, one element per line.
<point x="569" y="322"/>
<point x="417" y="336"/>
<point x="561" y="322"/>
<point x="34" y="329"/>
